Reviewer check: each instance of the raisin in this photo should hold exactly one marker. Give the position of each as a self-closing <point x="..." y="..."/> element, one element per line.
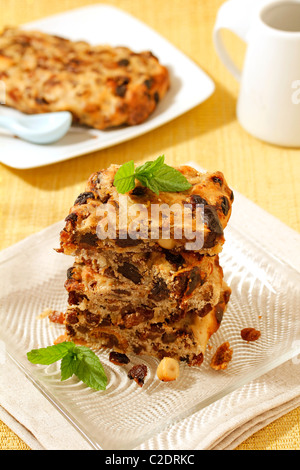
<point x="231" y="196"/>
<point x="89" y="239"/>
<point x="70" y="273"/>
<point x="137" y="349"/>
<point x="148" y="83"/>
<point x="70" y="330"/>
<point x="156" y="327"/>
<point x="156" y="97"/>
<point x="72" y="217"/>
<point x="174" y="258"/>
<point x="109" y="272"/>
<point x="212" y="221"/>
<point x="106" y="321"/>
<point x="91" y="318"/>
<point x="219" y="313"/>
<point x="137" y="316"/>
<point x="159" y="290"/>
<point x="196" y="199"/>
<point x="110" y="339"/>
<point x="194" y="280"/>
<point x="121" y="90"/>
<point x="224" y="205"/>
<point x="226" y="295"/>
<point x="161" y="353"/>
<point x="75" y="298"/>
<point x="127" y="242"/>
<point x="83" y="197"/>
<point x="181" y="282"/>
<point x="250" y="334"/>
<point x="187" y="281"/>
<point x="204" y="311"/>
<point x="118" y="358"/>
<point x="169" y="338"/>
<point x="210" y="240"/>
<point x="138" y="191"/>
<point x="196" y="360"/>
<point x="129" y="271"/>
<point x="175" y="317"/>
<point x="138" y="373"/>
<point x="123" y="62"/>
<point x="82" y="329"/>
<point x="72" y="317"/>
<point x="42" y="100"/>
<point x="218" y="180"/>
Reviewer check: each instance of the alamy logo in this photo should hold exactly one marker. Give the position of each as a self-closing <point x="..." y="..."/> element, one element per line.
<point x="154" y="221"/>
<point x="2" y="92"/>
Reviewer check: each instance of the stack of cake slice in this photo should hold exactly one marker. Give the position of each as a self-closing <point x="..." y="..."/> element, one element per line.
<point x="143" y="295"/>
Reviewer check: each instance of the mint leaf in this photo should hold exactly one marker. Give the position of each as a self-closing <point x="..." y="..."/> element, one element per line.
<point x="155" y="175"/>
<point x="124" y="179"/>
<point x="75" y="360"/>
<point x="169" y="179"/>
<point x="149" y="183"/>
<point x="67" y="366"/>
<point x="50" y="354"/>
<point x="150" y="167"/>
<point x="89" y="369"/>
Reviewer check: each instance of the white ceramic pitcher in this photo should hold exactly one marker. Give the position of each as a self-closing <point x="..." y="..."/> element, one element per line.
<point x="268" y="106"/>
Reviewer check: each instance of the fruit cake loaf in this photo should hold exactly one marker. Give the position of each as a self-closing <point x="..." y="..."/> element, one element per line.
<point x="102" y="86"/>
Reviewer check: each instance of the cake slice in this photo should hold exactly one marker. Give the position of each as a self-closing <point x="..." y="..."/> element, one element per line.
<point x="184" y="339"/>
<point x="208" y="190"/>
<point x="164" y="291"/>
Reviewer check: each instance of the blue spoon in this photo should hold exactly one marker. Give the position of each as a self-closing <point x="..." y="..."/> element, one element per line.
<point x="38" y="128"/>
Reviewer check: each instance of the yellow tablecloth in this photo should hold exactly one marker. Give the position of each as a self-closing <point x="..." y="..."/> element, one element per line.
<point x="209" y="134"/>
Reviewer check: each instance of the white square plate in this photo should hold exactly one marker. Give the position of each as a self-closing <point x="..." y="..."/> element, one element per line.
<point x="102" y="24"/>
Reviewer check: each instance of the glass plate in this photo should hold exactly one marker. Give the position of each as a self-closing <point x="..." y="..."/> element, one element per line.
<point x="265" y="295"/>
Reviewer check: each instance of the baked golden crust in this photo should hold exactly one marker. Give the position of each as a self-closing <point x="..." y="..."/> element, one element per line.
<point x="101" y="86"/>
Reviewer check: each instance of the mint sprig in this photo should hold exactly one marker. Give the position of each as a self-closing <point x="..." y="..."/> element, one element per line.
<point x="75" y="360"/>
<point x="155" y="175"/>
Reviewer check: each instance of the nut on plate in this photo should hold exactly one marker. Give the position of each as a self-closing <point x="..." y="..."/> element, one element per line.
<point x="168" y="369"/>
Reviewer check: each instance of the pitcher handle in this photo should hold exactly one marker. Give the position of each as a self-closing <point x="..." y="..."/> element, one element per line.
<point x="235" y="15"/>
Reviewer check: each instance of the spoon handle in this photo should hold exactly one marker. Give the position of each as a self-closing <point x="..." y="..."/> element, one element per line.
<point x="6" y="122"/>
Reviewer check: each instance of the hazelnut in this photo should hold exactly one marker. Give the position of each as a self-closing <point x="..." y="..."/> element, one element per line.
<point x="168" y="369"/>
<point x="167" y="243"/>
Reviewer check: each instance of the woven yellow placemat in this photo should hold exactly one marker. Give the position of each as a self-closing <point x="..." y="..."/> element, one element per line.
<point x="209" y="134"/>
<point x="9" y="440"/>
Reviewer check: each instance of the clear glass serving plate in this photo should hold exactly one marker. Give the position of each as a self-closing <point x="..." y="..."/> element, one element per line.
<point x="265" y="295"/>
